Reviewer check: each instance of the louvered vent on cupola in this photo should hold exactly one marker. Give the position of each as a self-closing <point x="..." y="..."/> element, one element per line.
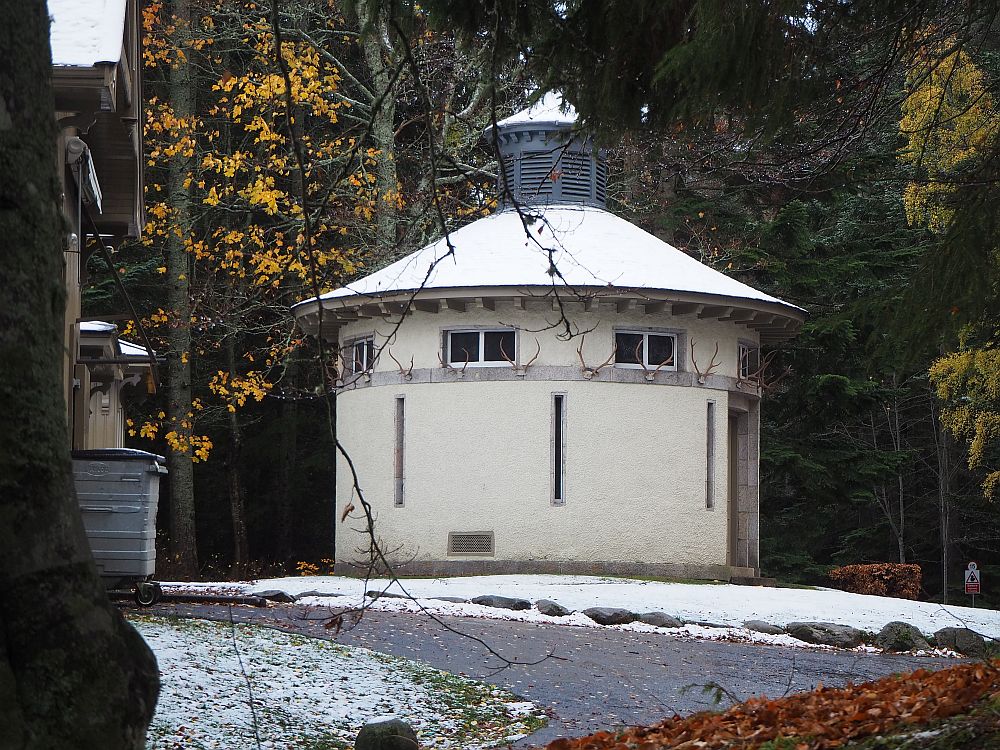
<point x="546" y="162"/>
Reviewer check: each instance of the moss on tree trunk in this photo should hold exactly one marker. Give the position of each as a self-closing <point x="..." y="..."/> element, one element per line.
<point x="183" y="539"/>
<point x="73" y="673"/>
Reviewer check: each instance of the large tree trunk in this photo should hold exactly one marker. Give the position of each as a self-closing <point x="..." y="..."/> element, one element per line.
<point x="183" y="540"/>
<point x="377" y="49"/>
<point x="941" y="441"/>
<point x="288" y="418"/>
<point x="73" y="673"/>
<point x="237" y="510"/>
<point x="897" y="444"/>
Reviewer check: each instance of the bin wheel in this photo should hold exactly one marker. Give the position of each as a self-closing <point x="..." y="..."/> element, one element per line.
<point x="147" y="593"/>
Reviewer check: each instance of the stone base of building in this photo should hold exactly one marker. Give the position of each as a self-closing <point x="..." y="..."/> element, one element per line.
<point x="441" y="568"/>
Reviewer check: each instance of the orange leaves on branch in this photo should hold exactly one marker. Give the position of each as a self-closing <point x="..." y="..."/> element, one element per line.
<point x="184" y="441"/>
<point x="237" y="389"/>
<point x="821" y="719"/>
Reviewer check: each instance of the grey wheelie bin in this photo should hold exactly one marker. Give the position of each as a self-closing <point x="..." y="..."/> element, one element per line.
<point x="118" y="490"/>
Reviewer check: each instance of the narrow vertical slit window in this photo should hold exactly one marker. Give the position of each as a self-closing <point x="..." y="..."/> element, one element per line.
<point x="558" y="449"/>
<point x="710" y="456"/>
<point x="398" y="454"/>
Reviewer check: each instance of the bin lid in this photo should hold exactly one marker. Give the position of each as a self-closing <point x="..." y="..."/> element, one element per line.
<point x="117" y="454"/>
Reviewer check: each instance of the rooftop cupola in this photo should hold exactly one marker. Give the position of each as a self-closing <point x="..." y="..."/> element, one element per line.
<point x="545" y="162"/>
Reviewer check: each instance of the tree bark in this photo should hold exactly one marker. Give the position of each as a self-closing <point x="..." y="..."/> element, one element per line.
<point x="288" y="418"/>
<point x="377" y="50"/>
<point x="897" y="443"/>
<point x="237" y="510"/>
<point x="73" y="673"/>
<point x="941" y="442"/>
<point x="183" y="538"/>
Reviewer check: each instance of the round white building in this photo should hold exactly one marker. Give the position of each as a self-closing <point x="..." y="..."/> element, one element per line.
<point x="488" y="440"/>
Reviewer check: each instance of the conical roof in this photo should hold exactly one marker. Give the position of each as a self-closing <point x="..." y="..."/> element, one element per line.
<point x="592" y="249"/>
<point x="572" y="245"/>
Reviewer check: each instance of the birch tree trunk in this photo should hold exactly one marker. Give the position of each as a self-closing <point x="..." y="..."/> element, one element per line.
<point x="73" y="673"/>
<point x="183" y="540"/>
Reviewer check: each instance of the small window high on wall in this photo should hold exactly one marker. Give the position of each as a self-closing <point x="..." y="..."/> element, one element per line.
<point x="480" y="348"/>
<point x="749" y="359"/>
<point x="644" y="349"/>
<point x="359" y="355"/>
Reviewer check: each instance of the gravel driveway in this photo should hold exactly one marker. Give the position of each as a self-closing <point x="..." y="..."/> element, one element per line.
<point x="596" y="678"/>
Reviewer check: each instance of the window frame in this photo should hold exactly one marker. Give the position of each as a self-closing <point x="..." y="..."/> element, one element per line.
<point x="399" y="451"/>
<point x="446" y="334"/>
<point x="348" y="353"/>
<point x="675" y="334"/>
<point x="557" y="448"/>
<point x="711" y="459"/>
<point x="752" y="358"/>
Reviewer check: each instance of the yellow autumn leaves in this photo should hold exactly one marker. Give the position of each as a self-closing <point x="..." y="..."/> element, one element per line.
<point x="950" y="120"/>
<point x="948" y="117"/>
<point x="968" y="382"/>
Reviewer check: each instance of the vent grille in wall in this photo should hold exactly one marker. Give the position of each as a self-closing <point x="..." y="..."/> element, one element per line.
<point x="536" y="170"/>
<point x="575" y="179"/>
<point x="470" y="543"/>
<point x="509" y="165"/>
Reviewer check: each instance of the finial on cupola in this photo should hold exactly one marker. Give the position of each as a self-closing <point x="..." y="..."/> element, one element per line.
<point x="546" y="162"/>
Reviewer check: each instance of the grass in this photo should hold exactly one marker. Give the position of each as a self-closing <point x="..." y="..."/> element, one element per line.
<point x="782" y="585"/>
<point x="310" y="694"/>
<point x="667" y="579"/>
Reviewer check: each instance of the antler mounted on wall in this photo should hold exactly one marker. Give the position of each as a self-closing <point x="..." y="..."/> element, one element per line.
<point x="650" y="375"/>
<point x="712" y="366"/>
<point x="347" y="376"/>
<point x="521" y="370"/>
<point x="454" y="370"/>
<point x="758" y="378"/>
<point x="334" y="371"/>
<point x="590" y="372"/>
<point x="407" y="373"/>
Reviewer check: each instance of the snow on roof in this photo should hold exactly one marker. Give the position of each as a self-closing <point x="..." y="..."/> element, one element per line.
<point x="86" y="32"/>
<point x="97" y="326"/>
<point x="549" y="110"/>
<point x="590" y="247"/>
<point x="132" y="350"/>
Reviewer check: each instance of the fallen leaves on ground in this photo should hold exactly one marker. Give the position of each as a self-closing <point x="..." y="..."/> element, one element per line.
<point x="823" y="718"/>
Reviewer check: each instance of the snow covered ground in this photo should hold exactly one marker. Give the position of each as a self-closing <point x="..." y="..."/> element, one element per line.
<point x="309" y="692"/>
<point x="722" y="604"/>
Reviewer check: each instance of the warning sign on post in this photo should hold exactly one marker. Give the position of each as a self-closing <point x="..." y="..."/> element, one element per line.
<point x="973" y="579"/>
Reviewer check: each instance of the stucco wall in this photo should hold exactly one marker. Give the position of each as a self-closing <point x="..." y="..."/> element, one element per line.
<point x="477" y="453"/>
<point x="420" y="334"/>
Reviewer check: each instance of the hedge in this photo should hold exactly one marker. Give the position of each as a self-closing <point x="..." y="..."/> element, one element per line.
<point x="880" y="579"/>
